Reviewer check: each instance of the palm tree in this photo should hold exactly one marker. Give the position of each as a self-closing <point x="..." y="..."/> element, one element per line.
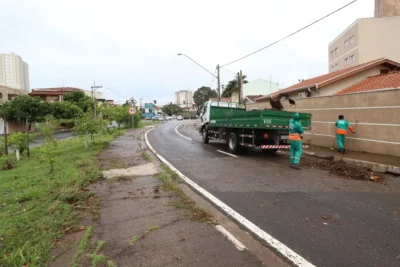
<point x="233" y="86"/>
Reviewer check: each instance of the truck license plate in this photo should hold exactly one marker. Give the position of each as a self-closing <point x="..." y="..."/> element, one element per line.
<point x="284" y="137"/>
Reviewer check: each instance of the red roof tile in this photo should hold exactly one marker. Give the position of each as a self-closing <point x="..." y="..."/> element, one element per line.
<point x="56" y="89"/>
<point x="326" y="79"/>
<point x="383" y="81"/>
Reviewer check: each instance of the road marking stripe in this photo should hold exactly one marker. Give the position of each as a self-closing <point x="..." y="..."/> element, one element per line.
<point x="176" y="130"/>
<point x="280" y="247"/>
<point x="230" y="237"/>
<point x="229" y="154"/>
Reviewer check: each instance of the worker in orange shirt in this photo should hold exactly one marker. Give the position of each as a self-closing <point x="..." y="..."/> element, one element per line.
<point x="341" y="132"/>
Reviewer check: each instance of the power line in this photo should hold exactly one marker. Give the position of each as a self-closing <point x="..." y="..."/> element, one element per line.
<point x="309" y="25"/>
<point x="213" y="78"/>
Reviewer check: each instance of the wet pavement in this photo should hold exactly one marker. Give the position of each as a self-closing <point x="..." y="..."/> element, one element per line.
<point x="141" y="226"/>
<point x="327" y="220"/>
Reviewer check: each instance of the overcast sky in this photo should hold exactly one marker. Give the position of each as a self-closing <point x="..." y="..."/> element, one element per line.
<point x="131" y="46"/>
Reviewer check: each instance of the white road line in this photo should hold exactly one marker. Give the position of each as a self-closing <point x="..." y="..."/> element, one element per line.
<point x="176" y="130"/>
<point x="288" y="253"/>
<point x="226" y="153"/>
<point x="230" y="237"/>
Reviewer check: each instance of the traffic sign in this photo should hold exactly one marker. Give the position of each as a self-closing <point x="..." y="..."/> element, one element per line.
<point x="132" y="110"/>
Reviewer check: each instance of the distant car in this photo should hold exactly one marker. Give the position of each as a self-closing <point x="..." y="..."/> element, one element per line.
<point x="161" y="118"/>
<point x="179" y="118"/>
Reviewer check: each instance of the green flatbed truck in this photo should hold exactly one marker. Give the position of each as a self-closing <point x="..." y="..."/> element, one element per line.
<point x="239" y="129"/>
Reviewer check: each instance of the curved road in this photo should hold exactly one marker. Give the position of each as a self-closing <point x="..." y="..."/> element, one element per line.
<point x="329" y="221"/>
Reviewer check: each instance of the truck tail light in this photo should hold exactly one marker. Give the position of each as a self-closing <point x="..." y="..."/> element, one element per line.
<point x="265" y="136"/>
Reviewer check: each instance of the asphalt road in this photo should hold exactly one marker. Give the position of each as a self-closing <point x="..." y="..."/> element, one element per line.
<point x="327" y="220"/>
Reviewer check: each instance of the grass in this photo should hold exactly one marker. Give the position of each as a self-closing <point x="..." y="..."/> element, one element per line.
<point x="146" y="156"/>
<point x="82" y="245"/>
<point x="37" y="207"/>
<point x="96" y="209"/>
<point x="170" y="183"/>
<point x="144" y="123"/>
<point x="95" y="256"/>
<point x="135" y="238"/>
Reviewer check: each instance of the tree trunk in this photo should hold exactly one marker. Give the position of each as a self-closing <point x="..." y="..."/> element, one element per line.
<point x="28" y="128"/>
<point x="86" y="140"/>
<point x="5" y="136"/>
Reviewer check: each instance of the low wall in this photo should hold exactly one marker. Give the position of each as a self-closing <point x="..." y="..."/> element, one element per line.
<point x="374" y="115"/>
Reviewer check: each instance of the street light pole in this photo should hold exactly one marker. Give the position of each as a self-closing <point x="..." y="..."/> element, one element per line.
<point x="219" y="85"/>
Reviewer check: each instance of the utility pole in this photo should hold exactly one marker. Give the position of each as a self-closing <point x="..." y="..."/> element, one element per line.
<point x="141" y="103"/>
<point x="240" y="86"/>
<point x="219" y="85"/>
<point x="94" y="87"/>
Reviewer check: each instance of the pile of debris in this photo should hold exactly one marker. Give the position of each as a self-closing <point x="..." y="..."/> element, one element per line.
<point x="343" y="169"/>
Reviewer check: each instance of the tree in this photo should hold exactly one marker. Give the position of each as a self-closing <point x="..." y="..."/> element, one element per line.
<point x="233" y="86"/>
<point x="172" y="109"/>
<point x="202" y="95"/>
<point x="80" y="99"/>
<point x="50" y="149"/>
<point x="87" y="125"/>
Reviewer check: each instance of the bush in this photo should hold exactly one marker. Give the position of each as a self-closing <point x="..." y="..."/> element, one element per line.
<point x="7" y="163"/>
<point x="18" y="141"/>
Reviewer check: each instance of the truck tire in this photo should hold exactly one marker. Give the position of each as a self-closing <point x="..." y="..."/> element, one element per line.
<point x="233" y="144"/>
<point x="204" y="135"/>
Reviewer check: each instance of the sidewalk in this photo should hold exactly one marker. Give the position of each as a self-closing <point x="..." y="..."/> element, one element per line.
<point x="379" y="163"/>
<point x="145" y="219"/>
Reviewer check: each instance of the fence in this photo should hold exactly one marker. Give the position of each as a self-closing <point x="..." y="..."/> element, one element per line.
<point x="374" y="115"/>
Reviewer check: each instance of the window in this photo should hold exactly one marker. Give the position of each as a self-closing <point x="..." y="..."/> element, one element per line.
<point x="336" y="50"/>
<point x="352" y="59"/>
<point x="332" y="53"/>
<point x="346" y="61"/>
<point x="336" y="66"/>
<point x="346" y="43"/>
<point x="384" y="71"/>
<point x="332" y="68"/>
<point x="352" y="39"/>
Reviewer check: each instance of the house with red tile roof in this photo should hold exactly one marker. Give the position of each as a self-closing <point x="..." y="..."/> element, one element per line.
<point x="385" y="81"/>
<point x="52" y="94"/>
<point x="334" y="82"/>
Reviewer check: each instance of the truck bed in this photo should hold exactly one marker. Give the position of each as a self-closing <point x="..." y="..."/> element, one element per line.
<point x="255" y="119"/>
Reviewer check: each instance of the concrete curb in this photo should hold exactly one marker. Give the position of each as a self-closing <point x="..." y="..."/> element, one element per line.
<point x="376" y="167"/>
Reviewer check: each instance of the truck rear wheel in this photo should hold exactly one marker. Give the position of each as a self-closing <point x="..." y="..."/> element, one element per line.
<point x="204" y="135"/>
<point x="233" y="144"/>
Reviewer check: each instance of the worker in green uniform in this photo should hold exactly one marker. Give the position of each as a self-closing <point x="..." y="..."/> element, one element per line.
<point x="296" y="145"/>
<point x="341" y="132"/>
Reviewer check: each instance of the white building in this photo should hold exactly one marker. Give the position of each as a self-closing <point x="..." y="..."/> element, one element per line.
<point x="14" y="72"/>
<point x="184" y="99"/>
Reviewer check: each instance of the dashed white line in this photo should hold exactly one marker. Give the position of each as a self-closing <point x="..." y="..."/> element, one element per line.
<point x="284" y="250"/>
<point x="176" y="130"/>
<point x="230" y="237"/>
<point x="226" y="153"/>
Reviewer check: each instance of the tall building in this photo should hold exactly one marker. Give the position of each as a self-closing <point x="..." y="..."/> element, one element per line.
<point x="14" y="72"/>
<point x="365" y="40"/>
<point x="184" y="99"/>
<point x="387" y="8"/>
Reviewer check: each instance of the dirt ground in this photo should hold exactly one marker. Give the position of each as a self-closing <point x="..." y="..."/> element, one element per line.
<point x="342" y="169"/>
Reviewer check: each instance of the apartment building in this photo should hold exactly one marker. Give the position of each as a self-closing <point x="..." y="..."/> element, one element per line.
<point x="184" y="98"/>
<point x="365" y="40"/>
<point x="14" y="72"/>
<point x="368" y="39"/>
<point x="387" y="8"/>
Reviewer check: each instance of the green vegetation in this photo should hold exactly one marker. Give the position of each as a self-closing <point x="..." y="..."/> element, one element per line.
<point x="135" y="238"/>
<point x="146" y="156"/>
<point x="36" y="207"/>
<point x="18" y="141"/>
<point x="202" y="95"/>
<point x="148" y="123"/>
<point x="233" y="85"/>
<point x="170" y="183"/>
<point x="82" y="245"/>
